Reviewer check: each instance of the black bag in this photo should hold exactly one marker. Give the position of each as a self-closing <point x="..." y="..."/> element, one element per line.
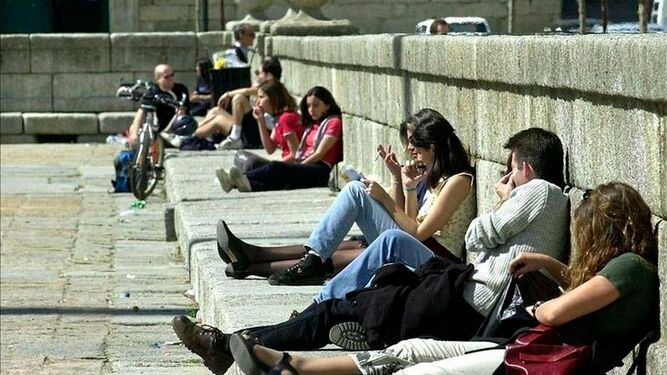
<point x="509" y="313"/>
<point x="197" y="144"/>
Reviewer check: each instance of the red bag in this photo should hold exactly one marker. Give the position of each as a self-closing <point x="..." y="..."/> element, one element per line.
<point x="541" y="350"/>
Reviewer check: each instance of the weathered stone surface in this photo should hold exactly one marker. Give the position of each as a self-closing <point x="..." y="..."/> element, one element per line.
<point x="56" y="53"/>
<point x="11" y="123"/>
<point x="213" y="41"/>
<point x="142" y="51"/>
<point x="25" y="93"/>
<point x="115" y="122"/>
<point x="89" y="92"/>
<point x="54" y="123"/>
<point x="15" y="53"/>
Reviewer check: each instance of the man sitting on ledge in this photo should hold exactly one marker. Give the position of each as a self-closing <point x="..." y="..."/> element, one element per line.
<point x="219" y="121"/>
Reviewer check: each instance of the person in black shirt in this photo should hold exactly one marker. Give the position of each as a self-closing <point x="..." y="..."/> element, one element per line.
<point x="164" y="79"/>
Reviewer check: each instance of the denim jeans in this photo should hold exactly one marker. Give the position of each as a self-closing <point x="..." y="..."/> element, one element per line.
<point x="352" y="205"/>
<point x="392" y="246"/>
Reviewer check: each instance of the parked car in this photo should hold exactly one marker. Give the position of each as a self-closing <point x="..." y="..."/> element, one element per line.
<point x="458" y="25"/>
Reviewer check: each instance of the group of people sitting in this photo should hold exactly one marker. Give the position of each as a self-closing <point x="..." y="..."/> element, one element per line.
<point x="418" y="231"/>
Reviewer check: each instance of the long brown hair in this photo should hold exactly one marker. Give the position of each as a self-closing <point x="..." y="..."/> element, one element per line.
<point x="613" y="219"/>
<point x="279" y="97"/>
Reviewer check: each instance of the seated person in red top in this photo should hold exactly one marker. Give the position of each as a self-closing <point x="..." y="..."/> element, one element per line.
<point x="275" y="112"/>
<point x="320" y="148"/>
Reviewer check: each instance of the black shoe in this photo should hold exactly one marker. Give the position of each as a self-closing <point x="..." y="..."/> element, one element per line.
<point x="205" y="341"/>
<point x="349" y="336"/>
<point x="230" y="248"/>
<point x="309" y="271"/>
<point x="234" y="274"/>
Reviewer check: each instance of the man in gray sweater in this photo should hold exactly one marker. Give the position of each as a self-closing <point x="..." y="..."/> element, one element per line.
<point x="533" y="216"/>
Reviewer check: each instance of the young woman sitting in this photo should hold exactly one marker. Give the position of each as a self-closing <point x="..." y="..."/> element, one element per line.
<point x="246" y="259"/>
<point x="440" y="160"/>
<point x="276" y="110"/>
<point x="612" y="299"/>
<point x="320" y="148"/>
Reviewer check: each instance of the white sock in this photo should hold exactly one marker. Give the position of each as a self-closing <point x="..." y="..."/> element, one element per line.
<point x="236" y="132"/>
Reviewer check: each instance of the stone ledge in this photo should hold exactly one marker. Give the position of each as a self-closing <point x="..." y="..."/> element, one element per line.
<point x="15" y="53"/>
<point x="115" y="122"/>
<point x="11" y="123"/>
<point x="142" y="51"/>
<point x="60" y="123"/>
<point x="56" y="53"/>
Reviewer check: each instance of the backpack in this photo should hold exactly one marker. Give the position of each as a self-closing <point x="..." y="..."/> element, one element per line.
<point x="122" y="165"/>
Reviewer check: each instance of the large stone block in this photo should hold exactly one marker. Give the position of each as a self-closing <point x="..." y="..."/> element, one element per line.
<point x="15" y="53"/>
<point x="487" y="173"/>
<point x="115" y="122"/>
<point x="56" y="53"/>
<point x="619" y="143"/>
<point x="25" y="93"/>
<point x="142" y="51"/>
<point x="377" y="51"/>
<point x="11" y="123"/>
<point x="657" y="354"/>
<point x="361" y="137"/>
<point x="89" y="92"/>
<point x="17" y="138"/>
<point x="60" y="123"/>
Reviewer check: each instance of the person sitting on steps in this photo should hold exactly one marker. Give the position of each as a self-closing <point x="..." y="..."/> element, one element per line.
<point x="612" y="278"/>
<point x="245" y="259"/>
<point x="440" y="222"/>
<point x="276" y="106"/>
<point x="320" y="148"/>
<point x="219" y="121"/>
<point x="532" y="218"/>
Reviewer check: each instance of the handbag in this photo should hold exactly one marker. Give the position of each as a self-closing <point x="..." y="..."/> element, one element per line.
<point x="540" y="350"/>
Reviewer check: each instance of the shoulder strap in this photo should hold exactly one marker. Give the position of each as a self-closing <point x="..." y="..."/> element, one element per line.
<point x="639" y="359"/>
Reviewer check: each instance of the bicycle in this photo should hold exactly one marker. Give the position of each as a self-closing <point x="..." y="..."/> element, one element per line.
<point x="146" y="165"/>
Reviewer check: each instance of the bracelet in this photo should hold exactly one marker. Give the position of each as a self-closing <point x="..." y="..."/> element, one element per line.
<point x="535" y="306"/>
<point x="407" y="189"/>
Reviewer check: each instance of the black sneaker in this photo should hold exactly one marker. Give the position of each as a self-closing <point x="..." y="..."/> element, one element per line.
<point x="309" y="271"/>
<point x="349" y="336"/>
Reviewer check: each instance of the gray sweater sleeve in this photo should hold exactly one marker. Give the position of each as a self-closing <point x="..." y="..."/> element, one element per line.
<point x="524" y="204"/>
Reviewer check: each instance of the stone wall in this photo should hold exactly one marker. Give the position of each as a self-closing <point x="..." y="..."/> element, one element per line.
<point x="370" y="16"/>
<point x="605" y="96"/>
<point x="77" y="74"/>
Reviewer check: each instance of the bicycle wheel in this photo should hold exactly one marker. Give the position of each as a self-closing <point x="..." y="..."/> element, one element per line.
<point x="139" y="168"/>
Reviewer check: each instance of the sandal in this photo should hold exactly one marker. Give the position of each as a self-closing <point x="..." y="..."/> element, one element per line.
<point x="241" y="345"/>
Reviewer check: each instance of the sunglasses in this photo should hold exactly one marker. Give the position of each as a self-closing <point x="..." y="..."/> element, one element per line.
<point x="587" y="193"/>
<point x="169" y="76"/>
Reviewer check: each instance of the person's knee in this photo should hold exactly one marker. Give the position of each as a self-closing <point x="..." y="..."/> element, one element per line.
<point x="240" y="103"/>
<point x="354" y="189"/>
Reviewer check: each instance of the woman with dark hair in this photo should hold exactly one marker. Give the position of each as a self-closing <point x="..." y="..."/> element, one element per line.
<point x="321" y="147"/>
<point x="439" y="160"/>
<point x="202" y="97"/>
<point x="275" y="110"/>
<point x="612" y="278"/>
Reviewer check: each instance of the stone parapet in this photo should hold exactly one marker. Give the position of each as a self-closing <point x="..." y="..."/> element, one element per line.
<point x="26" y="93"/>
<point x="115" y="122"/>
<point x="90" y="92"/>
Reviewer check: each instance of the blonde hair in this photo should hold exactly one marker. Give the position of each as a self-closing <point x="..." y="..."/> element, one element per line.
<point x="613" y="219"/>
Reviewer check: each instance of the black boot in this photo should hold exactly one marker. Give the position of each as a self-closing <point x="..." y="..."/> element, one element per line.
<point x="231" y="249"/>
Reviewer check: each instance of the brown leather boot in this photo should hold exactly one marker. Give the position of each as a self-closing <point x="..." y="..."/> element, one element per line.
<point x="206" y="341"/>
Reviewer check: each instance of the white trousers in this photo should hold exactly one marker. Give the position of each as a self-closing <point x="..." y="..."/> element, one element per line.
<point x="430" y="357"/>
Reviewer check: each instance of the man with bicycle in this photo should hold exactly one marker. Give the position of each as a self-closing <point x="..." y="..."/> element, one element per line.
<point x="164" y="79"/>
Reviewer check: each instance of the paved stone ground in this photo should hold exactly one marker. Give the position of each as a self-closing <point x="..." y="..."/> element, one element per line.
<point x="85" y="287"/>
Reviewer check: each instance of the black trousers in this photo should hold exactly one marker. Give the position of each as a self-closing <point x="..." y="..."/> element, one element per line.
<point x="286" y="176"/>
<point x="309" y="330"/>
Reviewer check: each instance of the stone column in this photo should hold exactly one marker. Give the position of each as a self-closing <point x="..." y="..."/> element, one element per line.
<point x="308" y="21"/>
<point x="255" y="12"/>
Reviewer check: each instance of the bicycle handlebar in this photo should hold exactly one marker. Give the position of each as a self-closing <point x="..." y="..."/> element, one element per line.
<point x="137" y="91"/>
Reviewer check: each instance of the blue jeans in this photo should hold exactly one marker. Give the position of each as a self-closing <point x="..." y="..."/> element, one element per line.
<point x="352" y="205"/>
<point x="392" y="246"/>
